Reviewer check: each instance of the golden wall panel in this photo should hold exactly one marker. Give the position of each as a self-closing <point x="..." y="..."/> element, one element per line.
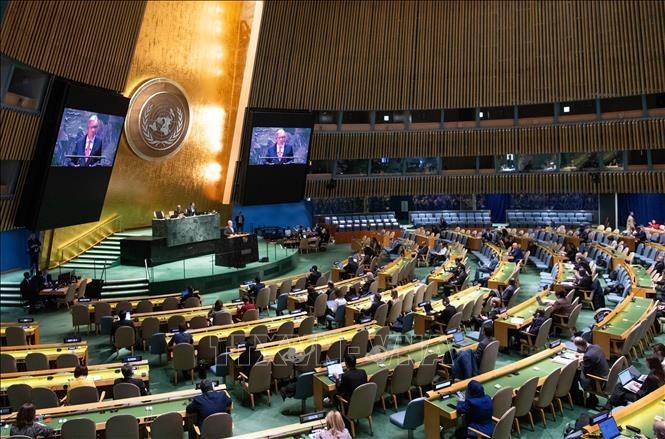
<point x="395" y="55"/>
<point x="87" y="41"/>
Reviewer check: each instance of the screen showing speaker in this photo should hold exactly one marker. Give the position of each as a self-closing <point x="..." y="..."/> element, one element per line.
<point x="87" y="138"/>
<point x="276" y="146"/>
<point x="74" y="158"/>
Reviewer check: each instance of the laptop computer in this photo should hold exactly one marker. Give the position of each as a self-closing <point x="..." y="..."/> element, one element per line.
<point x="630" y="379"/>
<point x="335" y="369"/>
<point x="459" y="340"/>
<point x="610" y="430"/>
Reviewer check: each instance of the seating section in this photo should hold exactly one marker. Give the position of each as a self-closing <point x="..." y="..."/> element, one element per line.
<point x="646" y="254"/>
<point x="462" y="218"/>
<point x="657" y="237"/>
<point x="545" y="237"/>
<point x="623" y="278"/>
<point x="541" y="258"/>
<point x="365" y="221"/>
<point x="485" y="254"/>
<point x="539" y="218"/>
<point x="451" y="236"/>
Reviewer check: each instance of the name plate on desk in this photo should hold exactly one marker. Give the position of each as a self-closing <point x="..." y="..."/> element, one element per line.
<point x="187" y="230"/>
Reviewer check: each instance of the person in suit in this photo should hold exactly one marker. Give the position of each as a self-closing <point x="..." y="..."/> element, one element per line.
<point x="313" y="276"/>
<point x="122" y="321"/>
<point x="279" y="152"/>
<point x="255" y="288"/>
<point x="349" y="380"/>
<point x="128" y="377"/>
<point x="249" y="357"/>
<point x="368" y="283"/>
<point x="584" y="282"/>
<point x="191" y="210"/>
<point x="477" y="406"/>
<point x="516" y="252"/>
<point x="45" y="280"/>
<point x="209" y="402"/>
<point x="28" y="294"/>
<point x="593" y="361"/>
<point x="88" y="145"/>
<point x="580" y="262"/>
<point x="240" y="221"/>
<point x="448" y="312"/>
<point x="488" y="269"/>
<point x="561" y="306"/>
<point x="508" y="292"/>
<point x="228" y="230"/>
<point x="182" y="336"/>
<point x="488" y="333"/>
<point x="34" y="248"/>
<point x="376" y="303"/>
<point x="178" y="212"/>
<point x="350" y="269"/>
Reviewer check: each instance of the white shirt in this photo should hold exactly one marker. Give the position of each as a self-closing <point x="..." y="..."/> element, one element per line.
<point x="336" y="303"/>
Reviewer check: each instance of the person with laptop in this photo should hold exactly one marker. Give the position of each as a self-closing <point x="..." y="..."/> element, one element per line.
<point x="630" y="387"/>
<point x="123" y="320"/>
<point x="347" y="382"/>
<point x="487" y="269"/>
<point x="448" y="312"/>
<point x="350" y="269"/>
<point x="562" y="305"/>
<point x="477" y="406"/>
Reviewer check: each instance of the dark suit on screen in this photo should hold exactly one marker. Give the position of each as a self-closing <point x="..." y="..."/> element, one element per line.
<point x="287" y="155"/>
<point x="79" y="149"/>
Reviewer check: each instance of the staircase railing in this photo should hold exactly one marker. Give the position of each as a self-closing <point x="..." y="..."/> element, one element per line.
<point x="79" y="245"/>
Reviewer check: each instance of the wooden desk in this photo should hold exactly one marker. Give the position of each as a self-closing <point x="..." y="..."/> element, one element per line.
<point x="441" y="275"/>
<point x="520" y="316"/>
<point x="355" y="308"/>
<point x="223" y="331"/>
<point x="616" y="326"/>
<point x="565" y="277"/>
<point x="104" y="375"/>
<point x="144" y="408"/>
<point x="442" y="411"/>
<point x="422" y="321"/>
<point x="336" y="272"/>
<point x="31" y="331"/>
<point x="324" y="339"/>
<point x="156" y="301"/>
<point x="54" y="292"/>
<point x="51" y="350"/>
<point x="243" y="289"/>
<point x="640" y="413"/>
<point x="298" y="299"/>
<point x="504" y="272"/>
<point x="615" y="256"/>
<point x="386" y="360"/>
<point x="285" y="431"/>
<point x="163" y="316"/>
<point x="386" y="273"/>
<point x="643" y="285"/>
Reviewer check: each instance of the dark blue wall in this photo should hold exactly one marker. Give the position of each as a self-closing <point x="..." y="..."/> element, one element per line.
<point x="645" y="206"/>
<point x="13" y="245"/>
<point x="277" y="215"/>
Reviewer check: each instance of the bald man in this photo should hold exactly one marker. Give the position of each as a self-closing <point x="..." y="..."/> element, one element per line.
<point x="280" y="152"/>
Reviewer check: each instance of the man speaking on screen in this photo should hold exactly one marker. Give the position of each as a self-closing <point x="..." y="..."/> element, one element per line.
<point x="89" y="147"/>
<point x="280" y="152"/>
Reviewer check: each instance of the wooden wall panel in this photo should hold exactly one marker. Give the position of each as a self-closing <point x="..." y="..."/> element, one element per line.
<point x="584" y="137"/>
<point x="477" y="184"/>
<point x="18" y="134"/>
<point x="88" y="41"/>
<point x="389" y="55"/>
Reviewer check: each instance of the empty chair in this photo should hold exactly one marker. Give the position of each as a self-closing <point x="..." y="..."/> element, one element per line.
<point x="80" y="428"/>
<point x="175" y="321"/>
<point x="564" y="384"/>
<point x="15" y="336"/>
<point x="250" y="315"/>
<point x="523" y="401"/>
<point x="380" y="340"/>
<point x="282" y="365"/>
<point x="216" y="426"/>
<point x="336" y="350"/>
<point x="360" y="405"/>
<point x="400" y="382"/>
<point x="192" y="302"/>
<point x="281" y="304"/>
<point x="425" y="373"/>
<point x="358" y="344"/>
<point x="122" y="427"/>
<point x="183" y="359"/>
<point x="125" y="337"/>
<point x="310" y="358"/>
<point x="207" y="349"/>
<point x="149" y="327"/>
<point x="380" y="378"/>
<point x="304" y="388"/>
<point x="36" y="361"/>
<point x="284" y="331"/>
<point x="18" y="394"/>
<point x="123" y="305"/>
<point x="7" y="363"/>
<point x="144" y="306"/>
<point x="546" y="395"/>
<point x="235" y="338"/>
<point x="262" y="299"/>
<point x="259" y="334"/>
<point x="502" y="401"/>
<point x="102" y="309"/>
<point x="82" y="395"/>
<point x="170" y="304"/>
<point x="258" y="381"/>
<point x="488" y="360"/>
<point x="66" y="361"/>
<point x="412" y="417"/>
<point x="167" y="425"/>
<point x="405" y="326"/>
<point x="70" y="296"/>
<point x="158" y="344"/>
<point x="198" y="322"/>
<point x="222" y="318"/>
<point x="80" y="316"/>
<point x="306" y="326"/>
<point x="381" y="314"/>
<point x="44" y="398"/>
<point x="126" y="390"/>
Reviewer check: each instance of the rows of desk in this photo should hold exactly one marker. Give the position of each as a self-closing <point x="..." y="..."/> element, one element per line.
<point x="422" y="320"/>
<point x="355" y="308"/>
<point x="32" y="331"/>
<point x="520" y="316"/>
<point x="51" y="350"/>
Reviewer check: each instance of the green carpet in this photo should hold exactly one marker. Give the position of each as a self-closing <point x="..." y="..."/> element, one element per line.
<point x="57" y="324"/>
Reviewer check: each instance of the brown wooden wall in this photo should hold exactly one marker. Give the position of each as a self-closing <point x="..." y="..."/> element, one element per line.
<point x="585" y="137"/>
<point x="87" y="41"/>
<point x="610" y="182"/>
<point x="371" y="55"/>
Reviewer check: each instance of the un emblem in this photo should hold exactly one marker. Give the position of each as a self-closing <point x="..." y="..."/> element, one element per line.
<point x="158" y="119"/>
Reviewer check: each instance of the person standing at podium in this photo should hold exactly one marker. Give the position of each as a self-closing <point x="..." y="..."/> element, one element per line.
<point x="228" y="230"/>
